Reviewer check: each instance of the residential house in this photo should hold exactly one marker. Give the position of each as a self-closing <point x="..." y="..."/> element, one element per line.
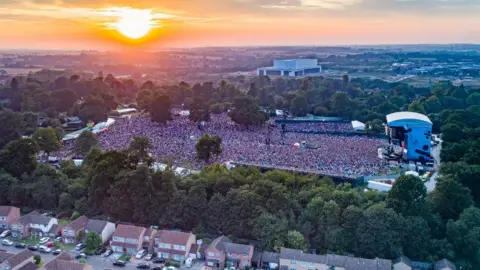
<point x="65" y="262"/>
<point x="55" y="231"/>
<point x="127" y="239"/>
<point x="195" y="251"/>
<point x="294" y="259"/>
<point x="444" y="264"/>
<point x="214" y="255"/>
<point x="104" y="228"/>
<point x="32" y="225"/>
<point x="174" y="245"/>
<point x="291" y="259"/>
<point x="20" y="261"/>
<point x="8" y="214"/>
<point x="74" y="229"/>
<point x="270" y="260"/>
<point x="149" y="239"/>
<point x="238" y="255"/>
<point x="230" y="254"/>
<point x="402" y="263"/>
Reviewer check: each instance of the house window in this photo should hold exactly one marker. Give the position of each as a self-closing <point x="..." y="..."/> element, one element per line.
<point x="292" y="269"/>
<point x="311" y="264"/>
<point x="211" y="254"/>
<point x="293" y="262"/>
<point x="229" y="254"/>
<point x="245" y="255"/>
<point x="3" y="218"/>
<point x="303" y="263"/>
<point x="20" y="227"/>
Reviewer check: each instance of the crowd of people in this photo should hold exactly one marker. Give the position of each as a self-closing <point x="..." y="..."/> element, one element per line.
<point x="341" y="156"/>
<point x="320" y="127"/>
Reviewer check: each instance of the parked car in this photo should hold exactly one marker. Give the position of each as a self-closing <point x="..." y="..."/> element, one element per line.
<point x="143" y="265"/>
<point x="108" y="253"/>
<point x="20" y="245"/>
<point x="58" y="239"/>
<point x="80" y="246"/>
<point x="158" y="267"/>
<point x="33" y="247"/>
<point x="7" y="242"/>
<point x="149" y="256"/>
<point x="5" y="234"/>
<point x="119" y="263"/>
<point x="100" y="251"/>
<point x="189" y="262"/>
<point x="44" y="240"/>
<point x="158" y="260"/>
<point x="57" y="251"/>
<point x="169" y="268"/>
<point x="44" y="249"/>
<point x="141" y="254"/>
<point x="81" y="256"/>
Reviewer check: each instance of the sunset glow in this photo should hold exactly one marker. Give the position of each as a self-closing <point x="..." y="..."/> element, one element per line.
<point x="82" y="23"/>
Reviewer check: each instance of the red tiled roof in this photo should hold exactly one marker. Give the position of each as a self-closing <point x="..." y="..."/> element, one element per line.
<point x="129" y="231"/>
<point x="78" y="223"/>
<point x="173" y="237"/>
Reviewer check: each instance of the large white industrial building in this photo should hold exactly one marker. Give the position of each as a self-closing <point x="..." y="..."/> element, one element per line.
<point x="291" y="68"/>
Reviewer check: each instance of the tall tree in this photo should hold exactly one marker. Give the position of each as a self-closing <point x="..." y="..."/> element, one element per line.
<point x="450" y="198"/>
<point x="247" y="112"/>
<point x="374" y="240"/>
<point x="11" y="126"/>
<point x="208" y="146"/>
<point x="19" y="157"/>
<point x="299" y="105"/>
<point x="86" y="141"/>
<point x="140" y="146"/>
<point x="407" y="196"/>
<point x="160" y="109"/>
<point x="47" y="140"/>
<point x="199" y="111"/>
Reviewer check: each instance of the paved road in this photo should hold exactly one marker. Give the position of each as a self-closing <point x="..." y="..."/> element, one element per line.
<point x="98" y="262"/>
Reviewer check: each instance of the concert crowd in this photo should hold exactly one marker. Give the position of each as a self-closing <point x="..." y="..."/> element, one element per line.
<point x="341" y="156"/>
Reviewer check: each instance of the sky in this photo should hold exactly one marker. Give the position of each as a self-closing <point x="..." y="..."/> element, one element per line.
<point x="90" y="24"/>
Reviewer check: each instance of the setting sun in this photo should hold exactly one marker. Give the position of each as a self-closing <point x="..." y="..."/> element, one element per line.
<point x="135" y="23"/>
<point x="132" y="23"/>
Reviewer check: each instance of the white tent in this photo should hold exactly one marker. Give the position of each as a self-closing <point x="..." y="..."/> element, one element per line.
<point x="357" y="125"/>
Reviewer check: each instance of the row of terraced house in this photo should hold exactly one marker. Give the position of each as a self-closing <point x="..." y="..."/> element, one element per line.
<point x="178" y="246"/>
<point x="24" y="260"/>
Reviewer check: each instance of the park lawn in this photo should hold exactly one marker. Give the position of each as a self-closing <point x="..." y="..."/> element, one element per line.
<point x="30" y="241"/>
<point x="66" y="246"/>
<point x="125" y="257"/>
<point x="64" y="222"/>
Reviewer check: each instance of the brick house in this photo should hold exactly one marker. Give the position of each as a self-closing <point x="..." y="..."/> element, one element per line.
<point x="104" y="228"/>
<point x="65" y="262"/>
<point x="20" y="261"/>
<point x="71" y="231"/>
<point x="444" y="264"/>
<point x="8" y="214"/>
<point x="222" y="252"/>
<point x="293" y="259"/>
<point x="174" y="245"/>
<point x="127" y="239"/>
<point x="149" y="239"/>
<point x="32" y="225"/>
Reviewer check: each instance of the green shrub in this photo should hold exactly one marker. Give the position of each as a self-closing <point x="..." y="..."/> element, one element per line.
<point x="82" y="260"/>
<point x="37" y="259"/>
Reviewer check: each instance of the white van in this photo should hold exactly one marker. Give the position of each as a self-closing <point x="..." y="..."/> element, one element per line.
<point x="189" y="263"/>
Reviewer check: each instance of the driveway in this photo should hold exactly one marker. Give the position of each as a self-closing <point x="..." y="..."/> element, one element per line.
<point x="97" y="262"/>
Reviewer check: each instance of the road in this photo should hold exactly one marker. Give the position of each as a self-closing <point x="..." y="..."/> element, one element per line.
<point x="97" y="262"/>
